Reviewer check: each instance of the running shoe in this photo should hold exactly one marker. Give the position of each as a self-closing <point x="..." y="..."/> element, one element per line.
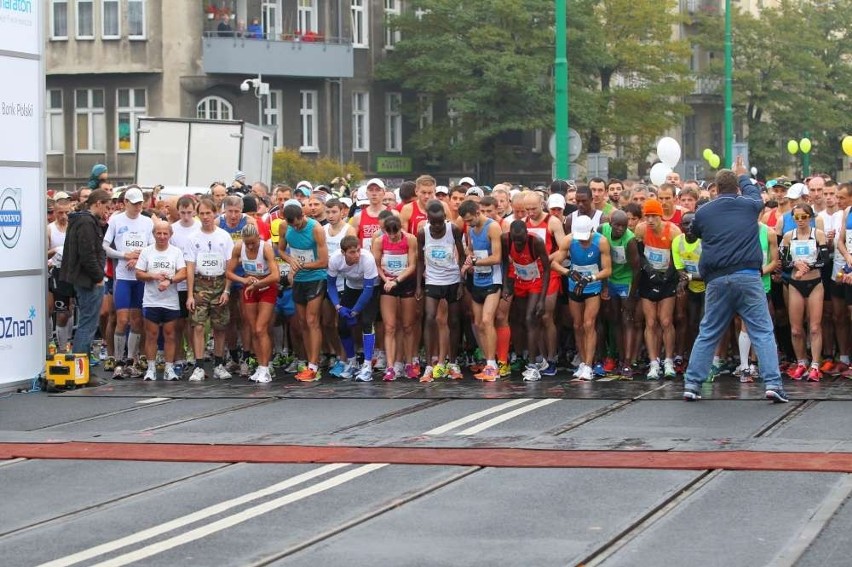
<point x="827" y="365"/>
<point x="609" y="365"/>
<point x="398" y="372"/>
<point x="576" y="373"/>
<point x="132" y="371"/>
<point x="365" y="374"/>
<point x="715" y="370"/>
<point x="337" y="368"/>
<point x="102" y="353"/>
<point x="109" y="364"/>
<point x="349" y="371"/>
<point x="295" y="366"/>
<point x="598" y="370"/>
<point x="669" y="369"/>
<point x="440" y="371"/>
<point x="627" y="373"/>
<point x="427" y="374"/>
<point x="798" y="372"/>
<point x="244" y="368"/>
<point x="841" y="367"/>
<point x="504" y="369"/>
<point x="549" y="370"/>
<point x="488" y="374"/>
<point x="308" y="375"/>
<point x="691" y="393"/>
<point x="178" y="366"/>
<point x="233" y="366"/>
<point x="412" y="371"/>
<point x="532" y="375"/>
<point x="454" y="371"/>
<point x="746" y="376"/>
<point x="653" y="370"/>
<point x="390" y="375"/>
<point x="197" y="375"/>
<point x="518" y="364"/>
<point x="142" y="362"/>
<point x="281" y="360"/>
<point x="586" y="374"/>
<point x="220" y="373"/>
<point x="679" y="364"/>
<point x="814" y="374"/>
<point x="150" y="374"/>
<point x="171" y="374"/>
<point x="777" y="395"/>
<point x="262" y="376"/>
<point x="381" y="360"/>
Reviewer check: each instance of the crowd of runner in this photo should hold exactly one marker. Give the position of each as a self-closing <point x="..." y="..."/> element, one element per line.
<point x="426" y="281"/>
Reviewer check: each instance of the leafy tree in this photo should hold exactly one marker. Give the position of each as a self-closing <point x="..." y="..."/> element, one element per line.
<point x="289" y="166"/>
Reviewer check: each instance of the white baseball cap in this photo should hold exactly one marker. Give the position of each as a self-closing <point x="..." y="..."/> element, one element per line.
<point x="442" y="189"/>
<point x="467" y="181"/>
<point x="581" y="228"/>
<point x="361" y="196"/>
<point x="556" y="201"/>
<point x="134" y="196"/>
<point x="376" y="181"/>
<point x="346" y="201"/>
<point x="796" y="191"/>
<point x="61" y="195"/>
<point x="475" y="191"/>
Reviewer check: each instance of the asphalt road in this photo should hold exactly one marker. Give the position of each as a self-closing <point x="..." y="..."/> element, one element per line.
<point x="425" y="505"/>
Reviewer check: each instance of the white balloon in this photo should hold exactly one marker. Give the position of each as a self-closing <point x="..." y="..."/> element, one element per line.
<point x="659" y="172"/>
<point x="668" y="150"/>
<point x="754" y="171"/>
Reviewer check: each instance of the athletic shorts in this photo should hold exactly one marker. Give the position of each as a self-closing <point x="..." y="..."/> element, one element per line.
<point x="160" y="315"/>
<point x="657" y="291"/>
<point x="350" y="296"/>
<point x="480" y="293"/>
<point x="109" y="286"/>
<point x="206" y="294"/>
<point x="182" y="296"/>
<point x="128" y="294"/>
<point x="62" y="291"/>
<point x="284" y="304"/>
<point x="582" y="298"/>
<point x="449" y="292"/>
<point x="405" y="289"/>
<point x="305" y="292"/>
<point x="268" y="294"/>
<point x="842" y="291"/>
<point x="619" y="290"/>
<point x="524" y="288"/>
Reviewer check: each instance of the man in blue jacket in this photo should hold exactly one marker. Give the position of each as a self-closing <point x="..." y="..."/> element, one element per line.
<point x="731" y="263"/>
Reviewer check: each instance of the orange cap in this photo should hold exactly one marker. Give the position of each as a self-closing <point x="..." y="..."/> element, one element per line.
<point x="652" y="207"/>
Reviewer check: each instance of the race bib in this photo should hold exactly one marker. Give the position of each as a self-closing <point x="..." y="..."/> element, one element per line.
<point x="691" y="267"/>
<point x="303" y="256"/>
<point x="134" y="241"/>
<point x="210" y="264"/>
<point x="161" y="265"/>
<point x="659" y="258"/>
<point x="805" y="250"/>
<point x="540" y="233"/>
<point x="590" y="270"/>
<point x="394" y="264"/>
<point x="527" y="272"/>
<point x="479" y="255"/>
<point x="619" y="255"/>
<point x="441" y="255"/>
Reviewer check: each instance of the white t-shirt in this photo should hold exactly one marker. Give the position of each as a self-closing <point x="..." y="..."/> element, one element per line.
<point x="57" y="240"/>
<point x="180" y="238"/>
<point x="168" y="262"/>
<point x="128" y="235"/>
<point x="209" y="252"/>
<point x="364" y="268"/>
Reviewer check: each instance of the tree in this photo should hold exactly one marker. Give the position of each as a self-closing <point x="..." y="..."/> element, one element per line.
<point x="289" y="166"/>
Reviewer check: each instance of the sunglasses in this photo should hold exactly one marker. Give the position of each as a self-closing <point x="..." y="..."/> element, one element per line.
<point x="801" y="217"/>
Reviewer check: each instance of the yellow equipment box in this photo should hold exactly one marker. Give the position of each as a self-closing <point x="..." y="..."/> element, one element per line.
<point x="66" y="371"/>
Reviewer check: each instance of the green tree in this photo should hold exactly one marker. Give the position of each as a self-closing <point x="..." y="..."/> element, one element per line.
<point x="289" y="166"/>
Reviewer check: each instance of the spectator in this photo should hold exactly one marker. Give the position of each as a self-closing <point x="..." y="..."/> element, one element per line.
<point x="224" y="29"/>
<point x="255" y="30"/>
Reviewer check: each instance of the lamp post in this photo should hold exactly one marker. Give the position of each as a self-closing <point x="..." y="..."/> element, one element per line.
<point x="560" y="101"/>
<point x="729" y="89"/>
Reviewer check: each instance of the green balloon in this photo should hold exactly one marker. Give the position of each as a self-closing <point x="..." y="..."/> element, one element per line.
<point x="714" y="161"/>
<point x="707" y="153"/>
<point x="805" y="145"/>
<point x="792" y="147"/>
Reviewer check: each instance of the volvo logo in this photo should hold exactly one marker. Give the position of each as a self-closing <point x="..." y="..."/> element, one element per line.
<point x="10" y="216"/>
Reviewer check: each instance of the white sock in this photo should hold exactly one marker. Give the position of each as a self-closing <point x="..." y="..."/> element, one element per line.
<point x="133" y="345"/>
<point x="745" y="346"/>
<point x="263" y="369"/>
<point x="491" y="362"/>
<point x="120" y="343"/>
<point x="170" y="366"/>
<point x="151" y="365"/>
<point x="397" y="367"/>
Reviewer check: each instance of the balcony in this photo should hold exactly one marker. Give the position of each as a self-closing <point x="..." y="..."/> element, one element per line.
<point x="284" y="56"/>
<point x="701" y="6"/>
<point x="707" y="86"/>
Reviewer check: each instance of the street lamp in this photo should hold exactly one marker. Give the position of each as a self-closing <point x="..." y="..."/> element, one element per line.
<point x="560" y="101"/>
<point x="729" y="89"/>
<point x="804" y="146"/>
<point x="261" y="90"/>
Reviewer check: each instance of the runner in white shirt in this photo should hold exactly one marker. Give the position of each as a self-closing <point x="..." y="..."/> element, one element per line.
<point x="161" y="266"/>
<point x="335" y="231"/>
<point x="127" y="234"/>
<point x="61" y="292"/>
<point x="182" y="230"/>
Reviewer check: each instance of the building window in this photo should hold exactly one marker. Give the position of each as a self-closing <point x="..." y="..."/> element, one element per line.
<point x="55" y="123"/>
<point x="136" y="19"/>
<point x="90" y="123"/>
<point x="453" y="119"/>
<point x="308" y="114"/>
<point x="59" y="19"/>
<point x="130" y="104"/>
<point x="427" y="114"/>
<point x="271" y="18"/>
<point x="361" y="122"/>
<point x="360" y="25"/>
<point x="214" y="108"/>
<point x="85" y="19"/>
<point x="272" y="116"/>
<point x="393" y="8"/>
<point x="307" y="16"/>
<point x="110" y="19"/>
<point x="393" y="122"/>
<point x="538" y="140"/>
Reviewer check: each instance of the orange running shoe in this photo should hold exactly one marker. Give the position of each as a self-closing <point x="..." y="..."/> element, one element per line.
<point x="308" y="375"/>
<point x="489" y="374"/>
<point x="827" y="365"/>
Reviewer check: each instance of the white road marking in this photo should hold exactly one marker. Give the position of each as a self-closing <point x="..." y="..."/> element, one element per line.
<point x="153" y="400"/>
<point x="506" y="416"/>
<point x="191" y="518"/>
<point x="238" y="518"/>
<point x="474" y="416"/>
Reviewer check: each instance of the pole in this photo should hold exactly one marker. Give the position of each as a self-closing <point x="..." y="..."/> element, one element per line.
<point x="729" y="89"/>
<point x="806" y="160"/>
<point x="561" y="90"/>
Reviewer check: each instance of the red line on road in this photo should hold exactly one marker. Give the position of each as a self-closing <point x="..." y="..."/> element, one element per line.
<point x="681" y="460"/>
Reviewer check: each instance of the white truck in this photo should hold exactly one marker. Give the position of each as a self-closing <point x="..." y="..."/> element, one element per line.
<point x="193" y="152"/>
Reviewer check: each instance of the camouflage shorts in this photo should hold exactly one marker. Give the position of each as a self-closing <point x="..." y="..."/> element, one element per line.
<point x="207" y="294"/>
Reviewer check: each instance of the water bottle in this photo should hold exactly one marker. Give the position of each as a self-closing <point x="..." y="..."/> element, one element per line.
<point x="51" y="348"/>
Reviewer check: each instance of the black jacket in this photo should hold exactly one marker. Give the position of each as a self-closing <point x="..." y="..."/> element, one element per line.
<point x="83" y="256"/>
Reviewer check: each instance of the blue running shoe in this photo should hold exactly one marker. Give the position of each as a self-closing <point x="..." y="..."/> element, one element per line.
<point x="599" y="370"/>
<point x="337" y="369"/>
<point x="777" y="395"/>
<point x="550" y="370"/>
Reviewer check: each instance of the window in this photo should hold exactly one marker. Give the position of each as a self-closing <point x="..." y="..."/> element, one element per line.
<point x="307" y="16"/>
<point x="85" y="19"/>
<point x="361" y="122"/>
<point x="271" y="105"/>
<point x="308" y="114"/>
<point x="393" y="122"/>
<point x="214" y="108"/>
<point x="136" y="19"/>
<point x="538" y="140"/>
<point x="360" y="26"/>
<point x="90" y="122"/>
<point x="55" y="123"/>
<point x="271" y="18"/>
<point x="453" y="119"/>
<point x="393" y="9"/>
<point x="110" y="19"/>
<point x="424" y="102"/>
<point x="130" y="104"/>
<point x="59" y="19"/>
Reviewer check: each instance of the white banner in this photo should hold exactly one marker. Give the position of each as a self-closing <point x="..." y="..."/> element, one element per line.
<point x="19" y="26"/>
<point x="22" y="324"/>
<point x="21" y="116"/>
<point x="21" y="221"/>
